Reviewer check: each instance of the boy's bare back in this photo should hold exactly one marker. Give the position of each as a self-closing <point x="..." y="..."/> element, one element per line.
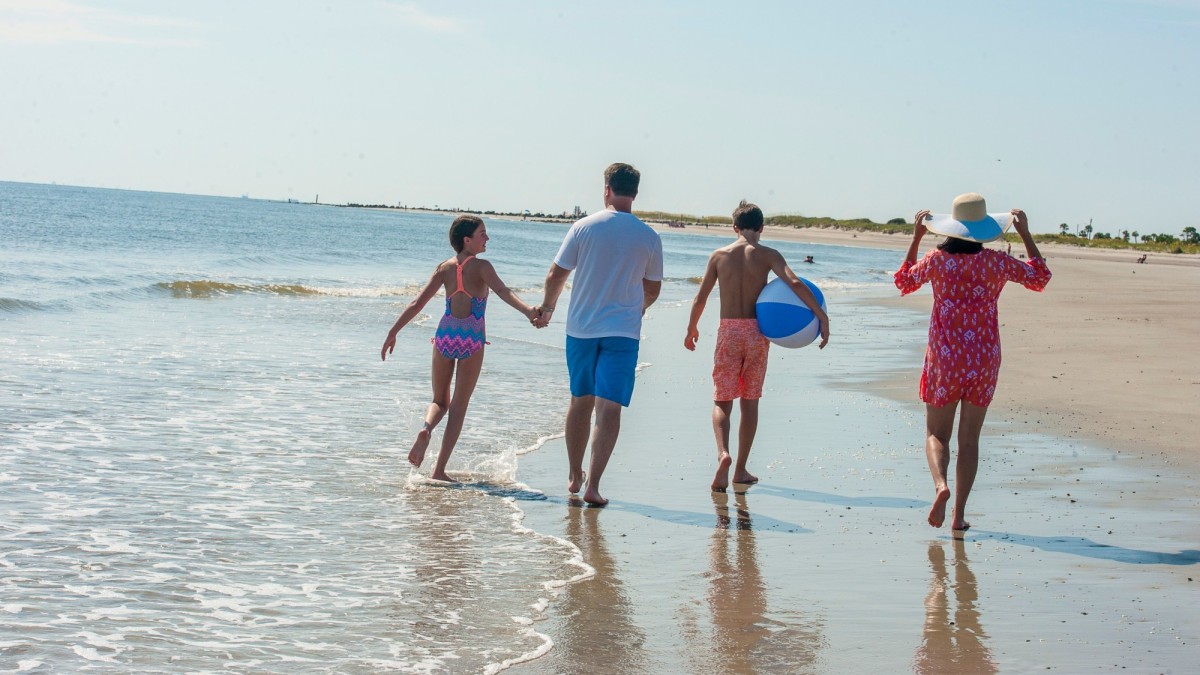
<point x="742" y="269"/>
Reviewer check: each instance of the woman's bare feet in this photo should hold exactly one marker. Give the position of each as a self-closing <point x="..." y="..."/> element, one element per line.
<point x="958" y="524"/>
<point x="442" y="476"/>
<point x="575" y="483"/>
<point x="937" y="512"/>
<point x="721" y="479"/>
<point x="417" y="454"/>
<point x="744" y="477"/>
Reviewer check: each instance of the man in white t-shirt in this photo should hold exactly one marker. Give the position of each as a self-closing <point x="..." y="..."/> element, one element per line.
<point x="618" y="265"/>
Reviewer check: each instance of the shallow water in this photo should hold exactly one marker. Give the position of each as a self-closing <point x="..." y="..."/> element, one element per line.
<point x="202" y="461"/>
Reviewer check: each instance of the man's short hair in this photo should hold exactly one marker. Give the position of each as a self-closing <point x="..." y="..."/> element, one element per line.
<point x="748" y="216"/>
<point x="623" y="179"/>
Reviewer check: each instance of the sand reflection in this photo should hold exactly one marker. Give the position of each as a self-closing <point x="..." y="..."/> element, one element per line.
<point x="952" y="644"/>
<point x="746" y="636"/>
<point x="598" y="626"/>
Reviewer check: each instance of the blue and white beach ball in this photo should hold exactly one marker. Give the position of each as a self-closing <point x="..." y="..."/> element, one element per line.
<point x="783" y="318"/>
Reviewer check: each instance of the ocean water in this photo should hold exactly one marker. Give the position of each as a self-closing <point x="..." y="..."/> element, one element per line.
<point x="202" y="455"/>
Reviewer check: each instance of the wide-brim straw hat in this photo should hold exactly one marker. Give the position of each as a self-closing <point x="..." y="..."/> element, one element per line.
<point x="968" y="219"/>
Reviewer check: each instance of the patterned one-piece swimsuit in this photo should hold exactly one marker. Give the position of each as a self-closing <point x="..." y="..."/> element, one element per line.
<point x="459" y="338"/>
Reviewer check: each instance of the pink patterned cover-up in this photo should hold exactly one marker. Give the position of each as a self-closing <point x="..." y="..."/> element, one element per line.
<point x="962" y="361"/>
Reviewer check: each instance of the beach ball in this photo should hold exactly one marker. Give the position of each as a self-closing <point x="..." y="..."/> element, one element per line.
<point x="783" y="318"/>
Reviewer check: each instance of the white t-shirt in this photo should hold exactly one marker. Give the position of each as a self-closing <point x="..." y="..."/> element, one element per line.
<point x="611" y="252"/>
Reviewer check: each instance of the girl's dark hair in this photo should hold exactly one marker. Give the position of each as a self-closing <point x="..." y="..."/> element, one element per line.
<point x="461" y="228"/>
<point x="956" y="245"/>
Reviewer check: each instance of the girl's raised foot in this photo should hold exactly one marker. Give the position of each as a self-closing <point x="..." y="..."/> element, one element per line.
<point x="417" y="454"/>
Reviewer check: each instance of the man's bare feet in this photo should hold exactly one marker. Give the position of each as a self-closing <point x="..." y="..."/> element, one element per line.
<point x="417" y="454"/>
<point x="937" y="512"/>
<point x="592" y="496"/>
<point x="744" y="477"/>
<point x="575" y="483"/>
<point x="721" y="479"/>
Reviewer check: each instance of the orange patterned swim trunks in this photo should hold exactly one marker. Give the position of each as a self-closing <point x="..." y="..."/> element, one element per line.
<point x="740" y="360"/>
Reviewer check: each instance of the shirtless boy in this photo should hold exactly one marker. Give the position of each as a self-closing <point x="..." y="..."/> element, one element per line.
<point x="740" y="359"/>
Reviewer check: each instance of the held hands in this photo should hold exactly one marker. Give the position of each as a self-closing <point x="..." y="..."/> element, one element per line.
<point x="543" y="317"/>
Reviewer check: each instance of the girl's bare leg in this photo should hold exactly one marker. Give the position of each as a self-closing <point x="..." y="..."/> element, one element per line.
<point x="442" y="369"/>
<point x="967" y="463"/>
<point x="939" y="424"/>
<point x="747" y="428"/>
<point x="720" y="419"/>
<point x="465" y="378"/>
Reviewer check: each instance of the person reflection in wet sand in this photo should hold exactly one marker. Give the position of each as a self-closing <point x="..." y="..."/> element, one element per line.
<point x="598" y="627"/>
<point x="952" y="645"/>
<point x="744" y="640"/>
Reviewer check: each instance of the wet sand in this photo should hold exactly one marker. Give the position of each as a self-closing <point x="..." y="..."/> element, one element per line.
<point x="1085" y="545"/>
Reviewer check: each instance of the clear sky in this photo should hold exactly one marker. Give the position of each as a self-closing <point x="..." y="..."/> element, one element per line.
<point x="1070" y="109"/>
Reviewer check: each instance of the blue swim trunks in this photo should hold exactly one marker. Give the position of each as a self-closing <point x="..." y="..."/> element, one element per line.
<point x="602" y="367"/>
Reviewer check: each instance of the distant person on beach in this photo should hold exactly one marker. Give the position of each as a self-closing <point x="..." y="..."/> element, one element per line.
<point x="809" y="259"/>
<point x="458" y="344"/>
<point x="618" y="265"/>
<point x="962" y="360"/>
<point x="740" y="357"/>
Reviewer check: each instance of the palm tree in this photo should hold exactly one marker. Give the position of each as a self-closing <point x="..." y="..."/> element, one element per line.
<point x="1136" y="236"/>
<point x="1087" y="230"/>
<point x="1063" y="228"/>
<point x="1190" y="235"/>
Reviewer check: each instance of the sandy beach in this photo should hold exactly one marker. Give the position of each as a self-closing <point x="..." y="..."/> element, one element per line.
<point x="1100" y="355"/>
<point x="1085" y="544"/>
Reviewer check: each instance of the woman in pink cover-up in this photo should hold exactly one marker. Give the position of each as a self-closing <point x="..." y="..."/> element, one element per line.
<point x="962" y="361"/>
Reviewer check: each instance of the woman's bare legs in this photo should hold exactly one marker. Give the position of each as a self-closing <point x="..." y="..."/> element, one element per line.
<point x="465" y="379"/>
<point x="939" y="424"/>
<point x="443" y="371"/>
<point x="970" y="425"/>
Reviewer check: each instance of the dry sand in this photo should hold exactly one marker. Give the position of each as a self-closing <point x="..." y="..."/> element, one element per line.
<point x="1083" y="555"/>
<point x="1106" y="353"/>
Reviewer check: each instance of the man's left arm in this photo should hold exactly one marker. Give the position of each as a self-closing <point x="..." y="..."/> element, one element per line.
<point x="650" y="291"/>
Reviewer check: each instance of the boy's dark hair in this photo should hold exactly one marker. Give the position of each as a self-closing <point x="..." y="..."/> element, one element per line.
<point x="956" y="245"/>
<point x="461" y="228"/>
<point x="623" y="179"/>
<point x="748" y="216"/>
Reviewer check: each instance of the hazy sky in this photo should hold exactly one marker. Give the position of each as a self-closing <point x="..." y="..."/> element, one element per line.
<point x="1072" y="110"/>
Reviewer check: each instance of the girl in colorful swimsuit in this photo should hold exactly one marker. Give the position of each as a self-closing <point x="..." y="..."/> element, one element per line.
<point x="460" y="337"/>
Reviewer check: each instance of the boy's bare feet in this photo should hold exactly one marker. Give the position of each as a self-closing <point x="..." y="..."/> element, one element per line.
<point x="417" y="454"/>
<point x="744" y="477"/>
<point x="721" y="479"/>
<point x="937" y="512"/>
<point x="575" y="483"/>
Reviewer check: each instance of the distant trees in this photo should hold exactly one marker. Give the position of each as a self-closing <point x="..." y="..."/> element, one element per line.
<point x="1190" y="235"/>
<point x="1064" y="228"/>
<point x="897" y="221"/>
